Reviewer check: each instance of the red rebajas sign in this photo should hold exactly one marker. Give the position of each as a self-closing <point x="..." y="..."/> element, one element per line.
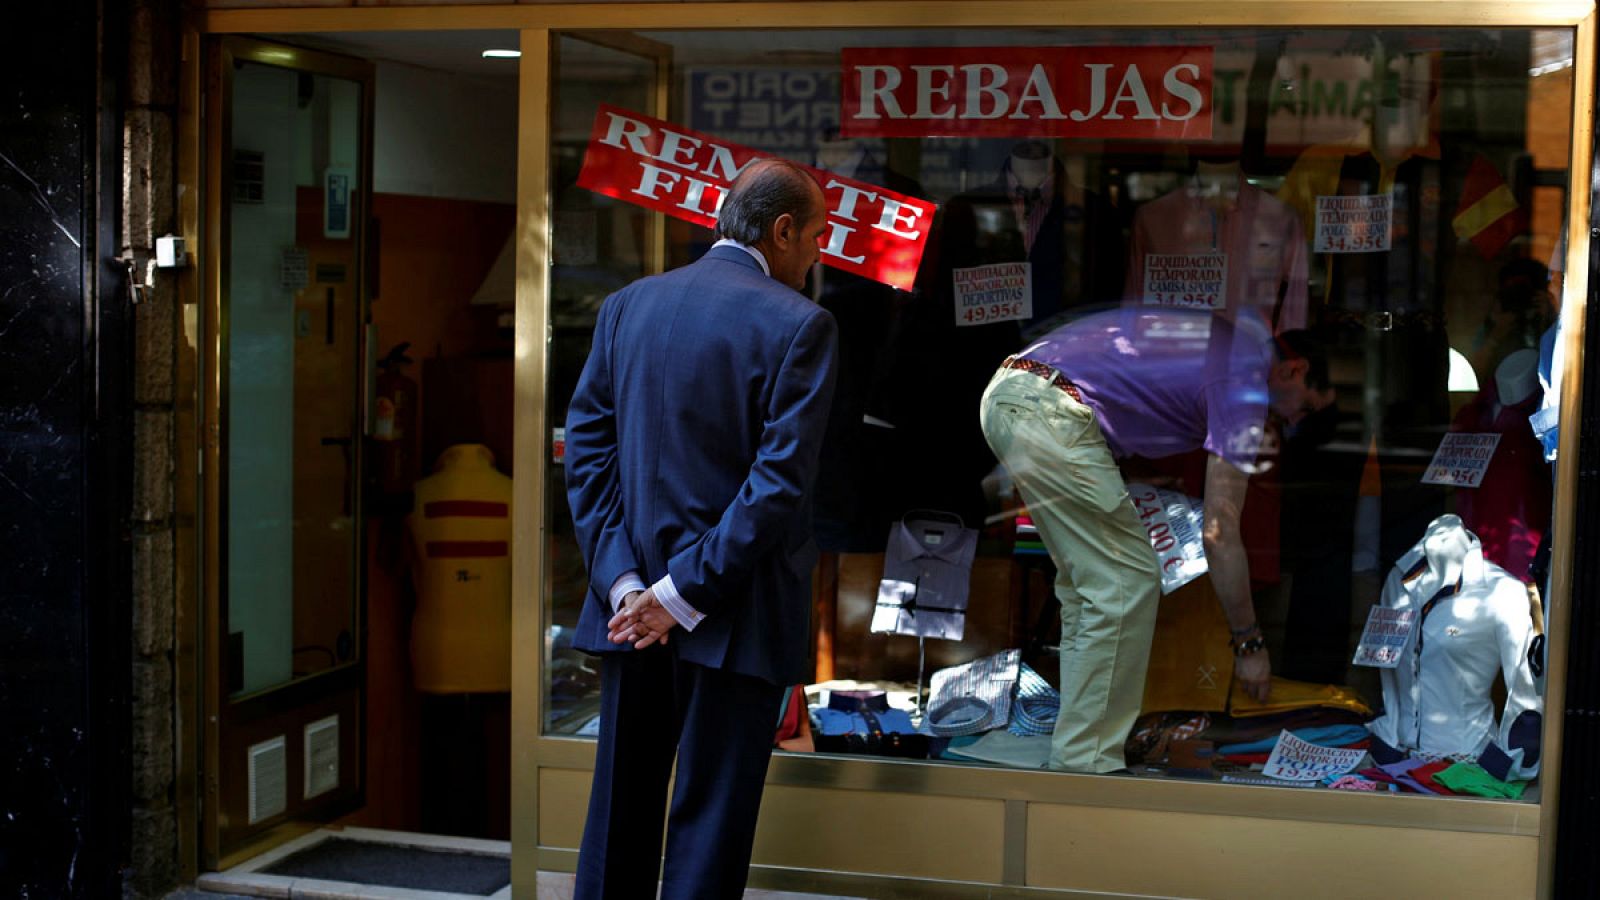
<point x="872" y="232"/>
<point x="1073" y="92"/>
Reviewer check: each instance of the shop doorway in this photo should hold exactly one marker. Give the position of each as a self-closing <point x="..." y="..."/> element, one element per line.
<point x="289" y="166"/>
<point x="355" y="343"/>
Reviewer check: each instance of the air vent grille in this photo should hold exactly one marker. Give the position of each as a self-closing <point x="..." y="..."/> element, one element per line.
<point x="322" y="756"/>
<point x="268" y="778"/>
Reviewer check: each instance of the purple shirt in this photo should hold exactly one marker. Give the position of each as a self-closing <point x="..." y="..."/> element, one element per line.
<point x="1166" y="381"/>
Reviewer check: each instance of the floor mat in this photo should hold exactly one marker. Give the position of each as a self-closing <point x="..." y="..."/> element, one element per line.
<point x="417" y="868"/>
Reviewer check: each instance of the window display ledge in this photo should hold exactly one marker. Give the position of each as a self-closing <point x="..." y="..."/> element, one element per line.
<point x="1517" y="818"/>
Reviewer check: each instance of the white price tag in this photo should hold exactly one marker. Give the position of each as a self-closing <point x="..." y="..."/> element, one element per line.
<point x="1387" y="633"/>
<point x="1186" y="280"/>
<point x="1295" y="760"/>
<point x="1173" y="522"/>
<point x="1000" y="292"/>
<point x="1461" y="459"/>
<point x="1361" y="223"/>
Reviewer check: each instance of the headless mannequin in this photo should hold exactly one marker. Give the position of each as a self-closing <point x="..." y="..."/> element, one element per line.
<point x="1516" y="378"/>
<point x="1445" y="545"/>
<point x="1510" y="510"/>
<point x="1217" y="183"/>
<point x="845" y="157"/>
<point x="1439" y="701"/>
<point x="1030" y="163"/>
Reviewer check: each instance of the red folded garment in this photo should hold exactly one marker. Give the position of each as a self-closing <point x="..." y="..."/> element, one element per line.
<point x="1424" y="775"/>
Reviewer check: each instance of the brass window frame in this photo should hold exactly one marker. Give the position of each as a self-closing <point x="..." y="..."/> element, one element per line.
<point x="540" y="25"/>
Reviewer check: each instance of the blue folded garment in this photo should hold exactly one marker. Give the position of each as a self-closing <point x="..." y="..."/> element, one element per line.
<point x="1036" y="707"/>
<point x="1321" y="735"/>
<point x="890" y="721"/>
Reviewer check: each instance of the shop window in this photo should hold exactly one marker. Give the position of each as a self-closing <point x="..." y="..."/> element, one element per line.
<point x="1184" y="392"/>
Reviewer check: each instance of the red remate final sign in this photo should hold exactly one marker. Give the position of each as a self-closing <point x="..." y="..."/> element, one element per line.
<point x="872" y="232"/>
<point x="1073" y="92"/>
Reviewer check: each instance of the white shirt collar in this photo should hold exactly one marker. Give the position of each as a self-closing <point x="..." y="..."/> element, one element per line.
<point x="760" y="260"/>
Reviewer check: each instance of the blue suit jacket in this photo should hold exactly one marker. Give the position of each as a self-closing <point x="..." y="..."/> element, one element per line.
<point x="692" y="443"/>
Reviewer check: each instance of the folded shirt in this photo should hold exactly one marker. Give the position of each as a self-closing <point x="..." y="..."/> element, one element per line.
<point x="889" y="721"/>
<point x="1321" y="735"/>
<point x="1404" y="774"/>
<point x="1470" y="778"/>
<point x="1246" y="759"/>
<point x="1036" y="706"/>
<point x="1424" y="775"/>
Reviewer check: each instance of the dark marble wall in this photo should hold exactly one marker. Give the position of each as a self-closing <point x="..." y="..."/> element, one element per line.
<point x="63" y="569"/>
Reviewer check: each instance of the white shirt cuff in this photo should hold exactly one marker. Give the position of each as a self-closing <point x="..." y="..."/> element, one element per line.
<point x="667" y="593"/>
<point x="626" y="583"/>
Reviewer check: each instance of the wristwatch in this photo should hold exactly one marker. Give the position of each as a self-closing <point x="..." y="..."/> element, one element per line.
<point x="1247" y="641"/>
<point x="1249" y="646"/>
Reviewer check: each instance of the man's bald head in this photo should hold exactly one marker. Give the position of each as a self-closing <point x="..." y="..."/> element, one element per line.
<point x="765" y="190"/>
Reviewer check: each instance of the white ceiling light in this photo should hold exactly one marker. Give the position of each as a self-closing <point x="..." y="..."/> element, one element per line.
<point x="502" y="54"/>
<point x="1462" y="378"/>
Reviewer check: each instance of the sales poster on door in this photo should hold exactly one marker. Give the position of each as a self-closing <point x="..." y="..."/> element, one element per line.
<point x="872" y="231"/>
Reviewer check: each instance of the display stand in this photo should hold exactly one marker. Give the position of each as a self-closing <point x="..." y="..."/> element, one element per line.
<point x="919" y="708"/>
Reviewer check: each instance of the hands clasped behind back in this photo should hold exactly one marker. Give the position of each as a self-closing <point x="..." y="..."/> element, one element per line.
<point x="642" y="621"/>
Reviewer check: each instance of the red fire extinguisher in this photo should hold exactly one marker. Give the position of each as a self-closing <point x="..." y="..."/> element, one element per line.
<point x="394" y="425"/>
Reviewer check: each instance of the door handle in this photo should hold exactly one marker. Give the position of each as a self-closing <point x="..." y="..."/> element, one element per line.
<point x="344" y="444"/>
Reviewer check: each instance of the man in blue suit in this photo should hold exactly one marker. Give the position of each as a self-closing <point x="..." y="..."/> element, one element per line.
<point x="692" y="443"/>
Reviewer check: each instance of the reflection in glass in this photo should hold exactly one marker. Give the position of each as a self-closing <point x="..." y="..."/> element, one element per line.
<point x="1337" y="194"/>
<point x="598" y="246"/>
<point x="292" y="313"/>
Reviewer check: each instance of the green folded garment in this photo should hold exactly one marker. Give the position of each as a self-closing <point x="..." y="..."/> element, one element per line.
<point x="1470" y="778"/>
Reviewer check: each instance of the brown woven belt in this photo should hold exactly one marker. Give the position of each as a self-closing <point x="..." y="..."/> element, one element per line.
<point x="1048" y="373"/>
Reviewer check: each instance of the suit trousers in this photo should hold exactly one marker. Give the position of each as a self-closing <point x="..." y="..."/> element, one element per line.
<point x="720" y="726"/>
<point x="1106" y="579"/>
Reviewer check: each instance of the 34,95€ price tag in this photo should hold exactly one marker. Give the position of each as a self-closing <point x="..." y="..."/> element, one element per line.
<point x="1354" y="224"/>
<point x="1186" y="280"/>
<point x="1387" y="633"/>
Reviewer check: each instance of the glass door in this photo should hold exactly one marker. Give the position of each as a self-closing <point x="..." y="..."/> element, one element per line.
<point x="289" y="168"/>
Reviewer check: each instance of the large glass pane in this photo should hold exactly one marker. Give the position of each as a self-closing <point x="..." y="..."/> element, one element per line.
<point x="1285" y="289"/>
<point x="598" y="245"/>
<point x="292" y="375"/>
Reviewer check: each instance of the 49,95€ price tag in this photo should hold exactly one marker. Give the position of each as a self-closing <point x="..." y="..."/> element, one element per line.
<point x="1000" y="292"/>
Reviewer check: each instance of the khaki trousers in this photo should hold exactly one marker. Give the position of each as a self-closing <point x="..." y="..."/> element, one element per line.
<point x="1106" y="579"/>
